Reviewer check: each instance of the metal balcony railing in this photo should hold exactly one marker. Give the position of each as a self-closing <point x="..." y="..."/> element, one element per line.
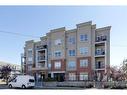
<point x="99" y="66"/>
<point x="101" y="38"/>
<point x="42" y="47"/>
<point x="100" y="52"/>
<point x="41" y="58"/>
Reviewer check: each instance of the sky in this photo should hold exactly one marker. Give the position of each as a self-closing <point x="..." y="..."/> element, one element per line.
<point x="38" y="20"/>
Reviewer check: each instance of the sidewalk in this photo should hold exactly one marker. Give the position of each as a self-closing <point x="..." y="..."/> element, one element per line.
<point x="44" y="87"/>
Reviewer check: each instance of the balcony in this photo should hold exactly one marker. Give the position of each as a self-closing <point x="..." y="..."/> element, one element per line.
<point x="41" y="47"/>
<point x="99" y="52"/>
<point x="41" y="66"/>
<point x="41" y="58"/>
<point x="100" y="65"/>
<point x="101" y="38"/>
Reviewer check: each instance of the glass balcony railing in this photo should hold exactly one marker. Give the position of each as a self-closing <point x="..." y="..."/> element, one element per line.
<point x="101" y="38"/>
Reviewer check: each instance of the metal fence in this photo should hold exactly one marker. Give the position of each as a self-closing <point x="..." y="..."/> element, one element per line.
<point x="84" y="84"/>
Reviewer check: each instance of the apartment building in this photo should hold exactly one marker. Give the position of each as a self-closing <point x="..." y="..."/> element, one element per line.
<point x="78" y="54"/>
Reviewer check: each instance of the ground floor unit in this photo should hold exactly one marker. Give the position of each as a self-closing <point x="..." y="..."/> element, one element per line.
<point x="67" y="75"/>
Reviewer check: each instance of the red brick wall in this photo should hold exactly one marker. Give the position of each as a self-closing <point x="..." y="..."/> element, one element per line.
<point x="84" y="69"/>
<point x="63" y="65"/>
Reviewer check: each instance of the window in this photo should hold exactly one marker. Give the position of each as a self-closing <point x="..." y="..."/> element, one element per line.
<point x="71" y="64"/>
<point x="101" y="38"/>
<point x="57" y="53"/>
<point x="84" y="63"/>
<point x="71" y="52"/>
<point x="71" y="40"/>
<point x="83" y="76"/>
<point x="99" y="51"/>
<point x="31" y="80"/>
<point x="29" y="52"/>
<point x="49" y="65"/>
<point x="84" y="50"/>
<point x="72" y="76"/>
<point x="100" y="64"/>
<point x="30" y="62"/>
<point x="83" y="37"/>
<point x="58" y="42"/>
<point x="30" y="58"/>
<point x="14" y="80"/>
<point x="57" y="65"/>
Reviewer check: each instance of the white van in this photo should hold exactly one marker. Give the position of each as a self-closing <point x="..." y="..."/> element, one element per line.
<point x="22" y="81"/>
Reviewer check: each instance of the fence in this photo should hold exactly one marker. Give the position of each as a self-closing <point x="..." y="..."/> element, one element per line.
<point x="84" y="84"/>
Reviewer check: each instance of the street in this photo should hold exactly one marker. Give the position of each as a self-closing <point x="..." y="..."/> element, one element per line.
<point x="3" y="86"/>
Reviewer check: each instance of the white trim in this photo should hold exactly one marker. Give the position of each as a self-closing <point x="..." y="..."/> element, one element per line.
<point x="41" y="49"/>
<point x="99" y="55"/>
<point x="56" y="72"/>
<point x="100" y="42"/>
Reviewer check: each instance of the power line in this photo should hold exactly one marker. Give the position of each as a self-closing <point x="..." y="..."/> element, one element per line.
<point x="24" y="35"/>
<point x="19" y="34"/>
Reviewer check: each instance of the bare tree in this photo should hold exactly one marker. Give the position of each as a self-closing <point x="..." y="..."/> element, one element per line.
<point x="124" y="68"/>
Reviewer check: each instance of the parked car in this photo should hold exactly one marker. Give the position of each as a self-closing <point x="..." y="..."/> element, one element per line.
<point x="22" y="81"/>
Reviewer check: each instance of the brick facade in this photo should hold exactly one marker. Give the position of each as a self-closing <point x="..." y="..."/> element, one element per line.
<point x="63" y="65"/>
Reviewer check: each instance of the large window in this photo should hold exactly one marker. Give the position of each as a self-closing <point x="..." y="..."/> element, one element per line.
<point x="57" y="53"/>
<point x="72" y="76"/>
<point x="49" y="65"/>
<point x="29" y="52"/>
<point x="58" y="42"/>
<point x="84" y="63"/>
<point x="84" y="50"/>
<point x="30" y="62"/>
<point x="84" y="76"/>
<point x="30" y="58"/>
<point x="71" y="52"/>
<point x="58" y="65"/>
<point x="83" y="37"/>
<point x="71" y="64"/>
<point x="71" y="40"/>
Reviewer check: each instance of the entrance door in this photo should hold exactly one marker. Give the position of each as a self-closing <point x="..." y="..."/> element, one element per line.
<point x="43" y="76"/>
<point x="59" y="76"/>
